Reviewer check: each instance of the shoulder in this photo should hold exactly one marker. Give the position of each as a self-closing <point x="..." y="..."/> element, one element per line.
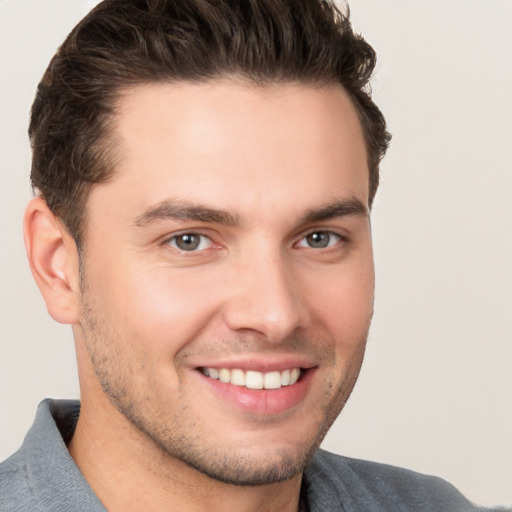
<point x="374" y="475"/>
<point x="15" y="491"/>
<point x="41" y="476"/>
<point x="361" y="485"/>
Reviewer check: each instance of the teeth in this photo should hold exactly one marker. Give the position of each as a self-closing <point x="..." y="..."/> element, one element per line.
<point x="238" y="377"/>
<point x="224" y="375"/>
<point x="272" y="380"/>
<point x="254" y="380"/>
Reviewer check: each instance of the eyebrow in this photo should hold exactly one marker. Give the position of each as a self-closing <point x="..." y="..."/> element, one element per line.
<point x="182" y="210"/>
<point x="336" y="208"/>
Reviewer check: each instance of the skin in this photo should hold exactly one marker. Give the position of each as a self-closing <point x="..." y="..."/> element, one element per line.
<point x="253" y="171"/>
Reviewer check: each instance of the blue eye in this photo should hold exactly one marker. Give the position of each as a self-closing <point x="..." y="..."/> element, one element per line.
<point x="190" y="242"/>
<point x="320" y="240"/>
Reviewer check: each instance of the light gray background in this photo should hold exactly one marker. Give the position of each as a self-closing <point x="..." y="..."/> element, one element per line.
<point x="435" y="393"/>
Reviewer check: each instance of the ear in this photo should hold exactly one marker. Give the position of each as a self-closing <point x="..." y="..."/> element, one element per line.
<point x="54" y="262"/>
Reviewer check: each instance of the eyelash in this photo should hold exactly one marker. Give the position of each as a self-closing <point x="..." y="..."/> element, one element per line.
<point x="172" y="241"/>
<point x="331" y="234"/>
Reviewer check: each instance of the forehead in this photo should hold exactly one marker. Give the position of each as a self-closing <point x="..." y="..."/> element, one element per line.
<point x="225" y="142"/>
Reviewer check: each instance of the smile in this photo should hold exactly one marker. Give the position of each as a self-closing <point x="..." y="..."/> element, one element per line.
<point x="252" y="379"/>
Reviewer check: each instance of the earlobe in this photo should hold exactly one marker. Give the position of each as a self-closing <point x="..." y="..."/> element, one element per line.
<point x="54" y="262"/>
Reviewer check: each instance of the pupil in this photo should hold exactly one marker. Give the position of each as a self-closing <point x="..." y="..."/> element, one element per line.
<point x="188" y="242"/>
<point x="319" y="239"/>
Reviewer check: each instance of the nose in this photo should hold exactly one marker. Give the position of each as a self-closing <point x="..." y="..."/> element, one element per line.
<point x="267" y="300"/>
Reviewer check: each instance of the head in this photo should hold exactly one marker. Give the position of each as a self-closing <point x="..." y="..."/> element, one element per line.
<point x="208" y="169"/>
<point x="123" y="43"/>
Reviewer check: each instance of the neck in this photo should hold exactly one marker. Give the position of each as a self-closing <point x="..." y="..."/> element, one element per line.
<point x="128" y="472"/>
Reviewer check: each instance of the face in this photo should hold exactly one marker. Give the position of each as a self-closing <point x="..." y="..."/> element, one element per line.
<point x="227" y="282"/>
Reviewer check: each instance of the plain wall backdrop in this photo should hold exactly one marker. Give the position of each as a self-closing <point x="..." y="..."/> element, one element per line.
<point x="435" y="393"/>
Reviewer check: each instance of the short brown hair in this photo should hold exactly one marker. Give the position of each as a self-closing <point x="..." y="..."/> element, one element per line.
<point x="128" y="42"/>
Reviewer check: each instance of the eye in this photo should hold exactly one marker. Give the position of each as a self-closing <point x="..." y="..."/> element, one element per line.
<point x="190" y="242"/>
<point x="320" y="240"/>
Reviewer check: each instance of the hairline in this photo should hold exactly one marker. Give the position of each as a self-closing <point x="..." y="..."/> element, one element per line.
<point x="112" y="147"/>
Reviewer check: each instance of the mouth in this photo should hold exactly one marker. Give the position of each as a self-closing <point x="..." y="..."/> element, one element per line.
<point x="255" y="380"/>
<point x="260" y="388"/>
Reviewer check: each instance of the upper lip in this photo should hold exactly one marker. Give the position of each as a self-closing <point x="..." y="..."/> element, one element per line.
<point x="260" y="364"/>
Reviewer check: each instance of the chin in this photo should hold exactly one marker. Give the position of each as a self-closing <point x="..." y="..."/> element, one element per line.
<point x="272" y="456"/>
<point x="253" y="469"/>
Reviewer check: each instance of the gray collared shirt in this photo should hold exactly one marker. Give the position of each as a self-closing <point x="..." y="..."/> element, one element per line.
<point x="42" y="477"/>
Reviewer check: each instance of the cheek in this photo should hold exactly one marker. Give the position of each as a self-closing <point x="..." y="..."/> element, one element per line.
<point x="158" y="306"/>
<point x="343" y="300"/>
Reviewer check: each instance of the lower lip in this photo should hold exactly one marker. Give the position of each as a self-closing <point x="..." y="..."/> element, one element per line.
<point x="262" y="401"/>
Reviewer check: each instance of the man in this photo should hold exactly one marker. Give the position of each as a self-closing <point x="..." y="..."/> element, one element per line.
<point x="205" y="172"/>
